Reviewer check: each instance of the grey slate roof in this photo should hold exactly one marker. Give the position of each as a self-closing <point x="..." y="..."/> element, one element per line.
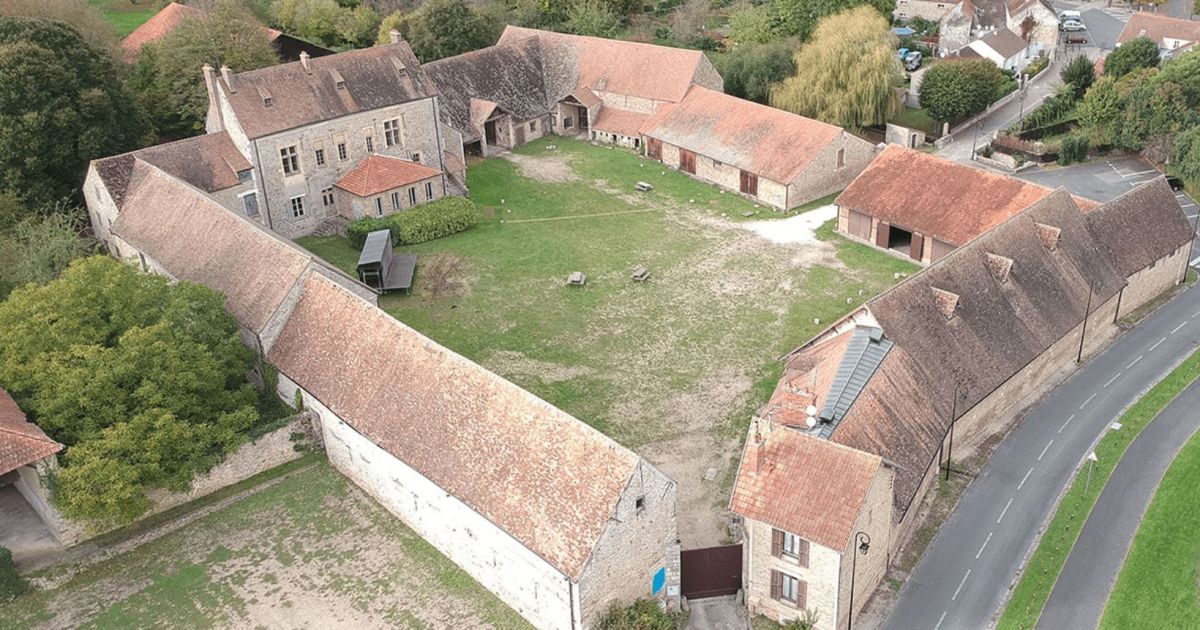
<point x="863" y="356"/>
<point x="377" y="242"/>
<point x="210" y="162"/>
<point x="1150" y="211"/>
<point x="508" y="74"/>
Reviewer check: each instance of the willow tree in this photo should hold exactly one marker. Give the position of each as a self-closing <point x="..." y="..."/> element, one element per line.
<point x="847" y="74"/>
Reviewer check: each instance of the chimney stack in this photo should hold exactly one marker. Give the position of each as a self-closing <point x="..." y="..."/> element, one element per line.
<point x="228" y="76"/>
<point x="754" y="456"/>
<point x="304" y="61"/>
<point x="394" y="36"/>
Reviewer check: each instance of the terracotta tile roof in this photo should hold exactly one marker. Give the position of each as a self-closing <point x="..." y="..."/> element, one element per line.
<point x="1157" y="27"/>
<point x="810" y="487"/>
<point x="21" y="441"/>
<point x="1005" y="42"/>
<point x="508" y="74"/>
<point x="586" y="97"/>
<point x="806" y="378"/>
<point x="209" y="162"/>
<point x="380" y="173"/>
<point x="619" y="121"/>
<point x="1152" y="212"/>
<point x="162" y="23"/>
<point x="197" y="239"/>
<point x="659" y="73"/>
<point x="764" y="140"/>
<point x="371" y="78"/>
<point x="544" y="477"/>
<point x="965" y="203"/>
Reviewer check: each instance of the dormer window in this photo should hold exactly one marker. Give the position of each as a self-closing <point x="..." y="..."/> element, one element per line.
<point x="1000" y="266"/>
<point x="267" y="101"/>
<point x="338" y="81"/>
<point x="945" y="301"/>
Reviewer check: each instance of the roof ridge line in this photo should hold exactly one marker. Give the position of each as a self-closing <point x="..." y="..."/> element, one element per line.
<point x="45" y="439"/>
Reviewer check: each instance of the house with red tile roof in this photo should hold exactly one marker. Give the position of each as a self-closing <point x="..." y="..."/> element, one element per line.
<point x="383" y="184"/>
<point x="1173" y="35"/>
<point x="892" y="205"/>
<point x="171" y="16"/>
<point x="778" y="158"/>
<point x="27" y="455"/>
<point x="964" y="346"/>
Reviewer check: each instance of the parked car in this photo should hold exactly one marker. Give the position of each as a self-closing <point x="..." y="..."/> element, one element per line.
<point x="912" y="60"/>
<point x="1064" y="16"/>
<point x="1071" y="26"/>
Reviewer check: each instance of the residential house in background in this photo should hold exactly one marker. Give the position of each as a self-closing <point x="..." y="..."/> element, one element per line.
<point x="932" y="10"/>
<point x="893" y="206"/>
<point x="1033" y="21"/>
<point x="1004" y="48"/>
<point x="968" y="343"/>
<point x="171" y="16"/>
<point x="607" y="88"/>
<point x="305" y="125"/>
<point x="1173" y="35"/>
<point x="775" y="157"/>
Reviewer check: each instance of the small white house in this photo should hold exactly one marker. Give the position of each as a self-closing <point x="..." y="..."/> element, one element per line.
<point x="1004" y="48"/>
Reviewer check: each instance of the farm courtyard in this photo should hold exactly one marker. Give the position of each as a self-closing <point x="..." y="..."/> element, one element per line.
<point x="672" y="367"/>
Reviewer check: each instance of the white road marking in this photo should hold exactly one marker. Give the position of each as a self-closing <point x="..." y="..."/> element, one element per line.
<point x="1024" y="479"/>
<point x="1045" y="449"/>
<point x="1142" y="355"/>
<point x="1195" y="261"/>
<point x="1004" y="511"/>
<point x="1141" y="173"/>
<point x="1060" y="429"/>
<point x="940" y="620"/>
<point x="1085" y="403"/>
<point x="1176" y="329"/>
<point x="1110" y="381"/>
<point x="985" y="543"/>
<point x="960" y="585"/>
<point x="1196" y="314"/>
<point x="1160" y="341"/>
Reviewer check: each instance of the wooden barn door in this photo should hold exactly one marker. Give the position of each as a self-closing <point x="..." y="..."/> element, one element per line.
<point x="883" y="234"/>
<point x="711" y="572"/>
<point x="917" y="247"/>
<point x="749" y="184"/>
<point x="654" y="148"/>
<point x="687" y="161"/>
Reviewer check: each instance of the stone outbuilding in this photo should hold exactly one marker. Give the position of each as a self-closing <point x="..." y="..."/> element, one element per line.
<point x="30" y="525"/>
<point x="382" y="184"/>
<point x="772" y="156"/>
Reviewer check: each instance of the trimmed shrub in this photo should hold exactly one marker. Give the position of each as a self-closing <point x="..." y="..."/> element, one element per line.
<point x="643" y="614"/>
<point x="1073" y="149"/>
<point x="11" y="584"/>
<point x="442" y="217"/>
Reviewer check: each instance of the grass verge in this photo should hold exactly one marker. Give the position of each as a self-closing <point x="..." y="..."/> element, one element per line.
<point x="1157" y="586"/>
<point x="1041" y="573"/>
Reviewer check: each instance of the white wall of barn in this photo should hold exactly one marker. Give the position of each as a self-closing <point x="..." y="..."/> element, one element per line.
<point x="540" y="593"/>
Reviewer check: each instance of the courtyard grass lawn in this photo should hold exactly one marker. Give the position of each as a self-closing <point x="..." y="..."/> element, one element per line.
<point x="672" y="367"/>
<point x="1158" y="585"/>
<point x="1039" y="576"/>
<point x="917" y="118"/>
<point x="310" y="551"/>
<point x="124" y="15"/>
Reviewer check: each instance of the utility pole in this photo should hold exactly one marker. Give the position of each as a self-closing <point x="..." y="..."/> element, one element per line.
<point x="953" y="419"/>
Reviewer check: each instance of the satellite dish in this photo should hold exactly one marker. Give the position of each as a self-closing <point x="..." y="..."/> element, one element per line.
<point x="811" y="410"/>
<point x="811" y="421"/>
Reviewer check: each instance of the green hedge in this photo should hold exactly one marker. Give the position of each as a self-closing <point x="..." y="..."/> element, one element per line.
<point x="11" y="584"/>
<point x="426" y="222"/>
<point x="643" y="614"/>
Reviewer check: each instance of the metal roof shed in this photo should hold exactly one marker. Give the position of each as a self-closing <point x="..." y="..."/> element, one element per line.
<point x="379" y="269"/>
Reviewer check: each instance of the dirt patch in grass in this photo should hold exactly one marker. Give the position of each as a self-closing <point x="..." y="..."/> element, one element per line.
<point x="552" y="169"/>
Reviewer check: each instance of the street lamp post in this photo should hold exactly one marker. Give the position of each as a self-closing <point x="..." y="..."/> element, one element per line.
<point x="862" y="542"/>
<point x="1086" y="313"/>
<point x="953" y="419"/>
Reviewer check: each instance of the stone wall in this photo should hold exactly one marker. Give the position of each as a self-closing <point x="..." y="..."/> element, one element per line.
<point x="636" y="544"/>
<point x="821" y="576"/>
<point x="925" y="9"/>
<point x="1149" y="283"/>
<point x="874" y="520"/>
<point x="353" y="207"/>
<point x="824" y="177"/>
<point x="504" y="566"/>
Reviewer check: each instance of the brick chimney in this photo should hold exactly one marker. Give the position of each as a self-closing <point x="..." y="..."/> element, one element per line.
<point x="755" y="456"/>
<point x="304" y="61"/>
<point x="394" y="36"/>
<point x="228" y="76"/>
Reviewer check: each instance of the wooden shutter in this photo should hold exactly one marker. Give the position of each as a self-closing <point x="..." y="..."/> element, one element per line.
<point x="776" y="584"/>
<point x="918" y="245"/>
<point x="882" y="234"/>
<point x="803" y="556"/>
<point x="801" y="594"/>
<point x="749" y="183"/>
<point x="776" y="543"/>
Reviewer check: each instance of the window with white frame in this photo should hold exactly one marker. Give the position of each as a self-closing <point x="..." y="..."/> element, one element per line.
<point x="320" y="154"/>
<point x="391" y="132"/>
<point x="297" y="204"/>
<point x="379" y="206"/>
<point x="791" y="589"/>
<point x="290" y="160"/>
<point x="327" y="196"/>
<point x="396" y="200"/>
<point x="428" y="191"/>
<point x="412" y="196"/>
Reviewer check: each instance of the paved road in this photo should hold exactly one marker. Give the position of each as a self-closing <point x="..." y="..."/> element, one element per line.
<point x="1101" y="180"/>
<point x="1078" y="598"/>
<point x="965" y="575"/>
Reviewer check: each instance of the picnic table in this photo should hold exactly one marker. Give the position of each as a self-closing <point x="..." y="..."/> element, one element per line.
<point x="577" y="279"/>
<point x="640" y="274"/>
<point x="643" y="187"/>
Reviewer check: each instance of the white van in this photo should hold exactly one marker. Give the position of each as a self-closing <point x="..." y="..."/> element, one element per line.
<point x="1070" y="16"/>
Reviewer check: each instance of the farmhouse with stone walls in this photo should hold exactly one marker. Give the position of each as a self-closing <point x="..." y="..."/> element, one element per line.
<point x="968" y="342"/>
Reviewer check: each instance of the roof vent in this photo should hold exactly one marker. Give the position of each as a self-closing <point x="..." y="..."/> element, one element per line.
<point x="1049" y="235"/>
<point x="266" y="96"/>
<point x="228" y="76"/>
<point x="338" y="81"/>
<point x="999" y="266"/>
<point x="946" y="302"/>
<point x="399" y="65"/>
<point x="304" y="62"/>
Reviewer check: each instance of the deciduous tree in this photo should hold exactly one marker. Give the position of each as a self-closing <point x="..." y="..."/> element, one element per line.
<point x="750" y="70"/>
<point x="954" y="90"/>
<point x="848" y="74"/>
<point x="592" y="18"/>
<point x="1080" y="73"/>
<point x="444" y="28"/>
<point x="1186" y="155"/>
<point x="1100" y="111"/>
<point x="1139" y="52"/>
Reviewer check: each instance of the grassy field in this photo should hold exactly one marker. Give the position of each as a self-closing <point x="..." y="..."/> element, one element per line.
<point x="124" y="15"/>
<point x="665" y="367"/>
<point x="309" y="551"/>
<point x="1158" y="586"/>
<point x="1041" y="573"/>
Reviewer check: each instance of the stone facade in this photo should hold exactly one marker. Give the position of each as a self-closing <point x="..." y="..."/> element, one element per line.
<point x="1149" y="283"/>
<point x="350" y="206"/>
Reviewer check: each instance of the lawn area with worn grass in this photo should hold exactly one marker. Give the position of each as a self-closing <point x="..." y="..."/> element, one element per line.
<point x="311" y="551"/>
<point x="1159" y="585"/>
<point x="1037" y="580"/>
<point x="672" y="367"/>
<point x="125" y="16"/>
